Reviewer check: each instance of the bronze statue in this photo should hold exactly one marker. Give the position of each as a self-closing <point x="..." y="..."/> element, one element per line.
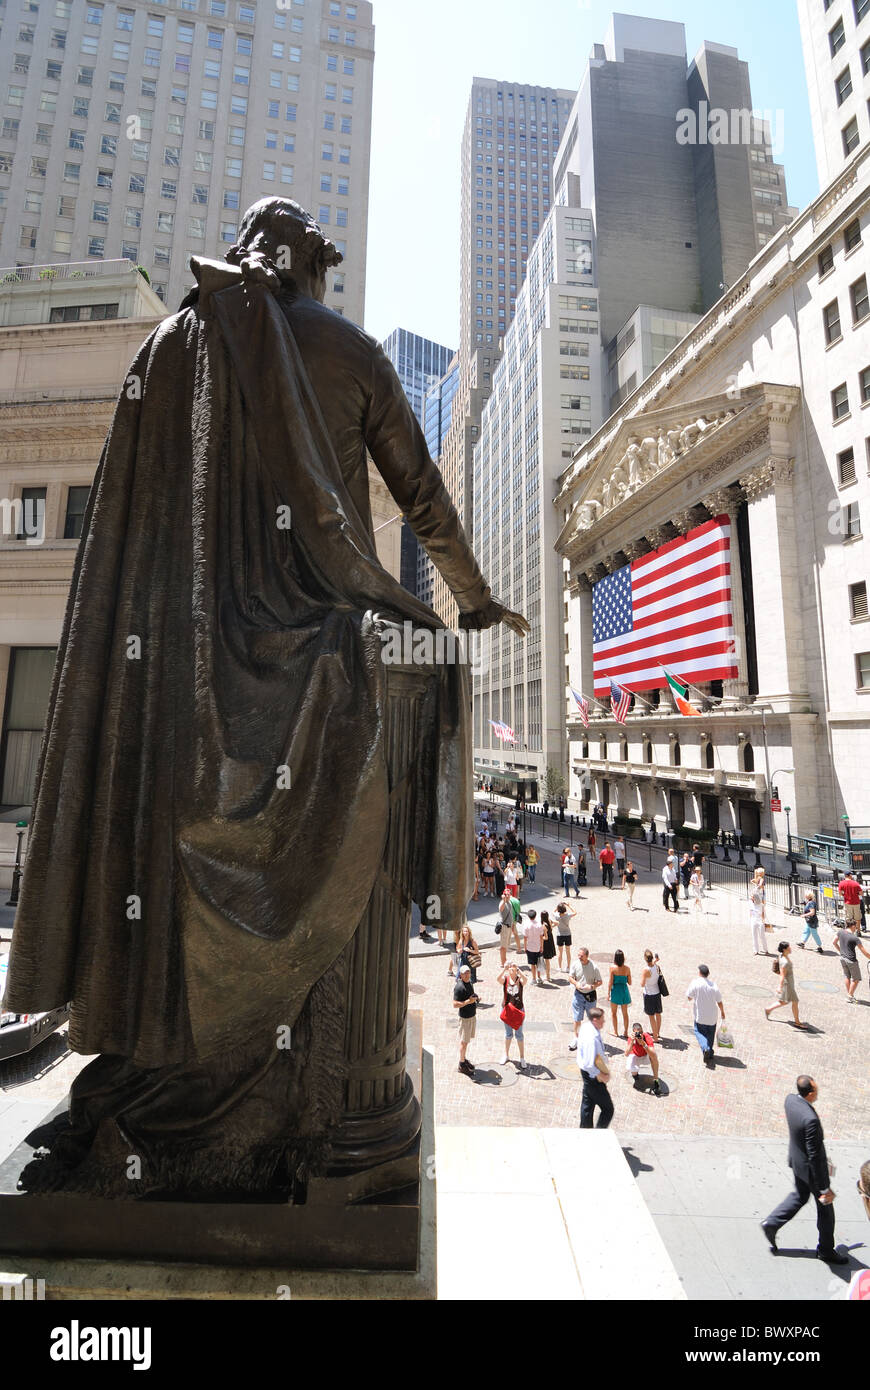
<point x="223" y="741"/>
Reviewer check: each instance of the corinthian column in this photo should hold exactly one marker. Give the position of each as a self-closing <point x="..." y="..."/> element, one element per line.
<point x="723" y="502"/>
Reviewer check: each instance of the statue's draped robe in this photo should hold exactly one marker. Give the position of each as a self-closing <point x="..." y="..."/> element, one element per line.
<point x="219" y="643"/>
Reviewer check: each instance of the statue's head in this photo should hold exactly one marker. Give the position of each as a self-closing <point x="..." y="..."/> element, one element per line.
<point x="286" y="238"/>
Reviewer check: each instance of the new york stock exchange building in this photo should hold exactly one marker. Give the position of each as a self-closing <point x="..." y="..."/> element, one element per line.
<point x="713" y="531"/>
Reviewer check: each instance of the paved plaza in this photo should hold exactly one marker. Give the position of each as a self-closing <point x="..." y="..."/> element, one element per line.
<point x="743" y="1096"/>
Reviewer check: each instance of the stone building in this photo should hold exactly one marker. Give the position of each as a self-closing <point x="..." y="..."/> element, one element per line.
<point x="760" y="415"/>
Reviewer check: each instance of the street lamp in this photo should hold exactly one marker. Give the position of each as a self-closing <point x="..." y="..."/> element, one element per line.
<point x="771" y="790"/>
<point x="20" y="830"/>
<point x="848" y="827"/>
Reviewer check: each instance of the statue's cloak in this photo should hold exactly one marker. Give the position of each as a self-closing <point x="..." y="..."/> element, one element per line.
<point x="178" y="892"/>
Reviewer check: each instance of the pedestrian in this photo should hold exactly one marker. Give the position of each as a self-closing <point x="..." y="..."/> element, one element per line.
<point x="756" y="919"/>
<point x="499" y="869"/>
<point x="669" y="884"/>
<point x="507" y="926"/>
<point x="641" y="1047"/>
<point x="685" y="871"/>
<point x="467" y="953"/>
<point x="651" y="985"/>
<point x="605" y="859"/>
<point x="619" y="851"/>
<point x="533" y="938"/>
<point x="531" y="862"/>
<point x="617" y="989"/>
<point x="811" y="922"/>
<point x="586" y="978"/>
<point x="592" y="1061"/>
<point x="850" y="891"/>
<point x="476" y="894"/>
<point x="848" y="946"/>
<point x="513" y="1012"/>
<point x="862" y="904"/>
<point x="580" y="856"/>
<point x="812" y="1173"/>
<point x="758" y="882"/>
<point x="510" y="877"/>
<point x="548" y="951"/>
<point x="783" y="967"/>
<point x="465" y="1000"/>
<point x="569" y="864"/>
<point x="706" y="1007"/>
<point x="564" y="913"/>
<point x="629" y="883"/>
<point x="697" y="858"/>
<point x="590" y="840"/>
<point x="696" y="888"/>
<point x="489" y="876"/>
<point x="520" y="873"/>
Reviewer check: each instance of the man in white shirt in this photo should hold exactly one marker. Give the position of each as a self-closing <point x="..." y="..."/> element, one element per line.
<point x="619" y="851"/>
<point x="569" y="868"/>
<point x="586" y="978"/>
<point x="592" y="1061"/>
<point x="707" y="1006"/>
<point x="669" y="884"/>
<point x="533" y="937"/>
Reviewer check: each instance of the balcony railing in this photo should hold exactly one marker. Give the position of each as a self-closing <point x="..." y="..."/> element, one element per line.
<point x="69" y="270"/>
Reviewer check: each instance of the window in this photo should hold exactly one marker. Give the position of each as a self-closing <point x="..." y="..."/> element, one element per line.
<point x="208" y="100"/>
<point x="290" y="111"/>
<point x="165" y="222"/>
<point x="108" y="144"/>
<point x="345" y="124"/>
<point x="852" y="235"/>
<point x="864" y="386"/>
<point x="120" y="51"/>
<point x="246" y="14"/>
<point x="326" y="183"/>
<point x="85" y="77"/>
<point x="233" y="168"/>
<point x="200" y="193"/>
<point x="33" y="202"/>
<point x="63" y="243"/>
<point x="344" y="154"/>
<point x="846" y="467"/>
<point x="843" y="86"/>
<point x="43" y="135"/>
<point x="77" y="497"/>
<point x="76" y="140"/>
<point x="205" y="130"/>
<point x="329" y="120"/>
<point x="231" y="198"/>
<point x="294" y="54"/>
<point x="33" y="513"/>
<point x="241" y="76"/>
<point x="172" y="155"/>
<point x="132" y="217"/>
<point x="124" y="20"/>
<point x="48" y="101"/>
<point x="343" y="187"/>
<point x="97" y="246"/>
<point x="826" y="260"/>
<point x="836" y="37"/>
<point x="333" y="33"/>
<point x="118" y="83"/>
<point x="865" y="58"/>
<point x="286" y="173"/>
<point x="155" y="26"/>
<point x="861" y="8"/>
<point x="228" y="231"/>
<point x="851" y="521"/>
<point x="347" y="95"/>
<point x="269" y="167"/>
<point x="244" y="44"/>
<point x="273" y="110"/>
<point x="278" y="50"/>
<point x="840" y="402"/>
<point x="100" y="212"/>
<point x="341" y="217"/>
<point x="348" y="67"/>
<point x="161" y="255"/>
<point x="11" y="128"/>
<point x="179" y="94"/>
<point x="862" y="669"/>
<point x="184" y="33"/>
<point x="329" y="91"/>
<point x="168" y="188"/>
<point x="858" y="600"/>
<point x="338" y="284"/>
<point x="326" y="150"/>
<point x="27" y="238"/>
<point x="71" y="172"/>
<point x="850" y="136"/>
<point x="831" y="319"/>
<point x="331" y="62"/>
<point x="202" y="161"/>
<point x="112" y="112"/>
<point x="271" y="139"/>
<point x="239" y="106"/>
<point x="860" y="300"/>
<point x="236" y="135"/>
<point x="289" y="144"/>
<point x="215" y="38"/>
<point x="323" y="213"/>
<point x="196" y="227"/>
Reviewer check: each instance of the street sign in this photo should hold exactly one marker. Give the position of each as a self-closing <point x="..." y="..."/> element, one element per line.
<point x="775" y="803"/>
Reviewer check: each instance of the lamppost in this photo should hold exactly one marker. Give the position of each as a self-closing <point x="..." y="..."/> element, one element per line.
<point x="848" y="827"/>
<point x="771" y="794"/>
<point x="20" y="830"/>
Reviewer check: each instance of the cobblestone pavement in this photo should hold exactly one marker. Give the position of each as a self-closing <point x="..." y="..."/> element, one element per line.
<point x="742" y="1096"/>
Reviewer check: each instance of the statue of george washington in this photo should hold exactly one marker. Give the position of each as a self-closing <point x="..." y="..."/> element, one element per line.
<point x="224" y="740"/>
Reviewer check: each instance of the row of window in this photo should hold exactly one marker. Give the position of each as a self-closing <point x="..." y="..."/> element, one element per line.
<point x="860" y="302"/>
<point x="843" y="80"/>
<point x="31" y="516"/>
<point x="837" y="34"/>
<point x="840" y="406"/>
<point x="217" y="9"/>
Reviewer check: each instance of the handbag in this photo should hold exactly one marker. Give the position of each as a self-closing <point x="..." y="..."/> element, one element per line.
<point x="512" y="1016"/>
<point x="473" y="958"/>
<point x="725" y="1039"/>
<point x="775" y="966"/>
<point x="663" y="986"/>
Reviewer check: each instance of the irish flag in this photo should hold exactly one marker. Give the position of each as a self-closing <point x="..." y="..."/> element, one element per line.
<point x="680" y="693"/>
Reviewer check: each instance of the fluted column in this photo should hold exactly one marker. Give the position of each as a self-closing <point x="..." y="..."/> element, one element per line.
<point x="779" y="624"/>
<point x="723" y="502"/>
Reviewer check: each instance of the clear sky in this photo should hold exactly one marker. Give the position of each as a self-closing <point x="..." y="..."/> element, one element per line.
<point x="426" y="54"/>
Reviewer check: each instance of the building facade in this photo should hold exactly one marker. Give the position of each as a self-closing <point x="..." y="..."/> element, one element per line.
<point x="545" y="398"/>
<point x="144" y="129"/>
<point x="836" y="43"/>
<point x="759" y="417"/>
<point x="509" y="144"/>
<point x="437" y="413"/>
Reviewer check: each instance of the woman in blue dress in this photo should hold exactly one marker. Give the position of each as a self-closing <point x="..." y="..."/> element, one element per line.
<point x="620" y="979"/>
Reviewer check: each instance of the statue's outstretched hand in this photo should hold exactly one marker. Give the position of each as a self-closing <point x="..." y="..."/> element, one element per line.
<point x="493" y="613"/>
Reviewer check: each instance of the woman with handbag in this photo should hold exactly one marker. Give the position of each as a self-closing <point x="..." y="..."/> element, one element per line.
<point x="783" y="967"/>
<point x="513" y="1013"/>
<point x="549" y="948"/>
<point x="651" y="982"/>
<point x="467" y="953"/>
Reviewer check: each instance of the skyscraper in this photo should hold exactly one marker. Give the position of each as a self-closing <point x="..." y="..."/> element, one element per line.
<point x="144" y="130"/>
<point x="419" y="365"/>
<point x="509" y="143"/>
<point x="836" y="43"/>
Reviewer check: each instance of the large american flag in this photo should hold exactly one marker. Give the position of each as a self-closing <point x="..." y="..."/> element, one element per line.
<point x="671" y="607"/>
<point x="503" y="731"/>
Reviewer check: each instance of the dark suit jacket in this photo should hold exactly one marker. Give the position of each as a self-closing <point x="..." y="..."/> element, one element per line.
<point x="806" y="1144"/>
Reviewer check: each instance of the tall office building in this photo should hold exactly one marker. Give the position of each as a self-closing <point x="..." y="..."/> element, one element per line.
<point x="509" y="143"/>
<point x="145" y="129"/>
<point x="437" y="413"/>
<point x="679" y="177"/>
<point x="419" y="365"/>
<point x="836" y="43"/>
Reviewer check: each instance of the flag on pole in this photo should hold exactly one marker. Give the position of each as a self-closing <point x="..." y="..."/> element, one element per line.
<point x="672" y="606"/>
<point x="680" y="692"/>
<point x="620" y="700"/>
<point x="503" y="731"/>
<point x="582" y="705"/>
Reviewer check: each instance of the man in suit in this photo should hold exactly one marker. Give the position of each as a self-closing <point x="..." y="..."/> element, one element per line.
<point x="809" y="1163"/>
